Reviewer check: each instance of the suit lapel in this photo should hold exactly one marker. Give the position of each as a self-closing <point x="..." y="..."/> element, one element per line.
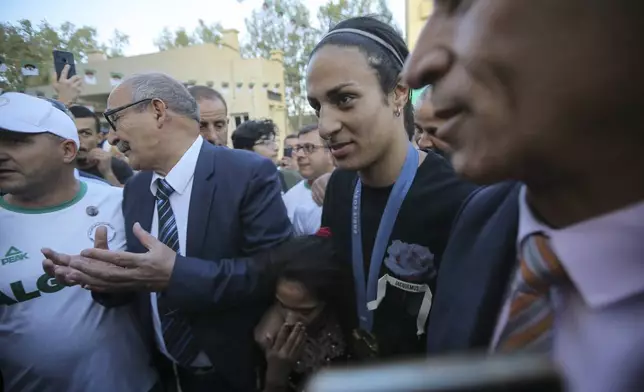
<point x="203" y="189"/>
<point x="145" y="202"/>
<point x="474" y="274"/>
<point x="491" y="264"/>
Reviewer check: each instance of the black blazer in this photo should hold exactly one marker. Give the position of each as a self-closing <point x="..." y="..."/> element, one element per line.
<point x="477" y="266"/>
<point x="236" y="211"/>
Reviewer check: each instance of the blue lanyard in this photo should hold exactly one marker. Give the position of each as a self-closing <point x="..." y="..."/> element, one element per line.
<point x="366" y="292"/>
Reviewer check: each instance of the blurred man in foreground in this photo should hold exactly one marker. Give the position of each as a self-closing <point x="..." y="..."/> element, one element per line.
<point x="552" y="263"/>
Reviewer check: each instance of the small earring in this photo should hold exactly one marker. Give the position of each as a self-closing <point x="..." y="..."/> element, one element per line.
<point x="397" y="112"/>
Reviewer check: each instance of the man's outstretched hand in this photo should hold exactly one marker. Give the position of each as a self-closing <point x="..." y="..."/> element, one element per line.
<point x="58" y="264"/>
<point x="102" y="270"/>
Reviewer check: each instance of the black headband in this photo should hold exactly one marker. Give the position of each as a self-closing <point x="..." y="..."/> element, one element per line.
<point x="370" y="36"/>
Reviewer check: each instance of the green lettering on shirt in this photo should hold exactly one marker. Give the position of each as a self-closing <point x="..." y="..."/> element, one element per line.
<point x="6" y="300"/>
<point x="48" y="285"/>
<point x="20" y="293"/>
<point x="45" y="285"/>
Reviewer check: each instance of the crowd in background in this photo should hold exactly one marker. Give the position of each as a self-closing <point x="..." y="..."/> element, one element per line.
<point x="504" y="213"/>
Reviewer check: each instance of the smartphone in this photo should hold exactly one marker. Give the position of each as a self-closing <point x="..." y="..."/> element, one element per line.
<point x="62" y="58"/>
<point x="476" y="373"/>
<point x="288" y="152"/>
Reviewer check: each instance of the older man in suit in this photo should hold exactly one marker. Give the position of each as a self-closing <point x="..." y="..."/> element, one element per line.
<point x="193" y="215"/>
<point x="549" y="93"/>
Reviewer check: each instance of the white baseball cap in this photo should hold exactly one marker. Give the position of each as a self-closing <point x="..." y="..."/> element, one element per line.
<point x="27" y="114"/>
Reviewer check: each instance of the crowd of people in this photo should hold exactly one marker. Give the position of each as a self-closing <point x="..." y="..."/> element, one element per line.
<point x="504" y="213"/>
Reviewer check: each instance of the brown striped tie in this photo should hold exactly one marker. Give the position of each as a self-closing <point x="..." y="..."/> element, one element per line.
<point x="529" y="325"/>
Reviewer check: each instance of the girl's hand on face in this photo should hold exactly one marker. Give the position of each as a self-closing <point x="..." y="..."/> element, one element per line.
<point x="268" y="328"/>
<point x="284" y="352"/>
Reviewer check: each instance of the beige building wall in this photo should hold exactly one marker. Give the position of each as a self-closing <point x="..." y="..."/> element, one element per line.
<point x="416" y="14"/>
<point x="253" y="88"/>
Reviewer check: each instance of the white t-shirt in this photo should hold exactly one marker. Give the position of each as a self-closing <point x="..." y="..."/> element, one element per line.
<point x="299" y="201"/>
<point x="307" y="220"/>
<point x="56" y="338"/>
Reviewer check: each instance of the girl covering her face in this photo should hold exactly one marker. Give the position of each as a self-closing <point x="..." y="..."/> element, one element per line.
<point x="390" y="207"/>
<point x="305" y="328"/>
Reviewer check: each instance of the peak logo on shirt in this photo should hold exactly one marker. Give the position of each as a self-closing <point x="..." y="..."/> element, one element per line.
<point x="14" y="254"/>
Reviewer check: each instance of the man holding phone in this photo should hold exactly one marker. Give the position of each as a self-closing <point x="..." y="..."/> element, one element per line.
<point x="68" y="87"/>
<point x="288" y="160"/>
<point x="91" y="158"/>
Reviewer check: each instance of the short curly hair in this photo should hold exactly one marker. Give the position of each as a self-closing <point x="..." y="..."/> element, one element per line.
<point x="248" y="133"/>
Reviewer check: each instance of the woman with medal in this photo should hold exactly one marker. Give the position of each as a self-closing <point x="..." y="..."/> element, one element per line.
<point x="389" y="206"/>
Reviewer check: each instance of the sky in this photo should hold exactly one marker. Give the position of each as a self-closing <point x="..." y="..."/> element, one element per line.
<point x="143" y="20"/>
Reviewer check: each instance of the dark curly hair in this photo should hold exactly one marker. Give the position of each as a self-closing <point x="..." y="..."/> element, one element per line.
<point x="313" y="262"/>
<point x="248" y="133"/>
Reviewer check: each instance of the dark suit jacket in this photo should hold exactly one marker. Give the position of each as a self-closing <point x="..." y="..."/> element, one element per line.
<point x="236" y="211"/>
<point x="477" y="265"/>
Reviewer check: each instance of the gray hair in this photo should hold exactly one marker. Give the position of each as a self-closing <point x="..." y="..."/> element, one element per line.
<point x="163" y="87"/>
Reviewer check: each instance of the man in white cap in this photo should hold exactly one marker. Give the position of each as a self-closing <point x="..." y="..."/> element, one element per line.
<point x="54" y="337"/>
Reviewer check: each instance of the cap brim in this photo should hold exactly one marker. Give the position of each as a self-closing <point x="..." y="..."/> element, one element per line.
<point x="15" y="125"/>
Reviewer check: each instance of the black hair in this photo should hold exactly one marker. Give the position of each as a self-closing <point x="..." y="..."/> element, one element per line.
<point x="307" y="129"/>
<point x="312" y="261"/>
<point x="79" y="111"/>
<point x="207" y="93"/>
<point x="381" y="59"/>
<point x="249" y="132"/>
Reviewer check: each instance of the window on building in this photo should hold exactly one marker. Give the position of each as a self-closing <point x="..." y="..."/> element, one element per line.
<point x="274" y="96"/>
<point x="240" y="118"/>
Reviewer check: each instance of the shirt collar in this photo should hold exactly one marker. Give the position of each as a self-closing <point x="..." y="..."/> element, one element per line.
<point x="182" y="173"/>
<point x="603" y="256"/>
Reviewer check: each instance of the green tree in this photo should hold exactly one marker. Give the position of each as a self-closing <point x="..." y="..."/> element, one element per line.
<point x="334" y="11"/>
<point x="284" y="25"/>
<point x="116" y="45"/>
<point x="23" y="41"/>
<point x="180" y="38"/>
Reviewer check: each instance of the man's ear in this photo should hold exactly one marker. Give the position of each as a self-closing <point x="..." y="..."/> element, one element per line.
<point x="69" y="150"/>
<point x="160" y="111"/>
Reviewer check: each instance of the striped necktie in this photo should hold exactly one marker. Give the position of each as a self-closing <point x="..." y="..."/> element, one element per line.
<point x="531" y="316"/>
<point x="177" y="334"/>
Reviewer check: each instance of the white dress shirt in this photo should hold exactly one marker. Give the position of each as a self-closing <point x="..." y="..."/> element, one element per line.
<point x="180" y="178"/>
<point x="304" y="213"/>
<point x="599" y="319"/>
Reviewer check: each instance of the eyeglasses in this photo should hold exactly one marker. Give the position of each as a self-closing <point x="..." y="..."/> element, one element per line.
<point x="109" y="114"/>
<point x="308" y="148"/>
<point x="266" y="142"/>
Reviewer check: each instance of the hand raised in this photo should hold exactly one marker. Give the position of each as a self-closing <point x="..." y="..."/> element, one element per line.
<point x="284" y="353"/>
<point x="318" y="189"/>
<point x="68" y="89"/>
